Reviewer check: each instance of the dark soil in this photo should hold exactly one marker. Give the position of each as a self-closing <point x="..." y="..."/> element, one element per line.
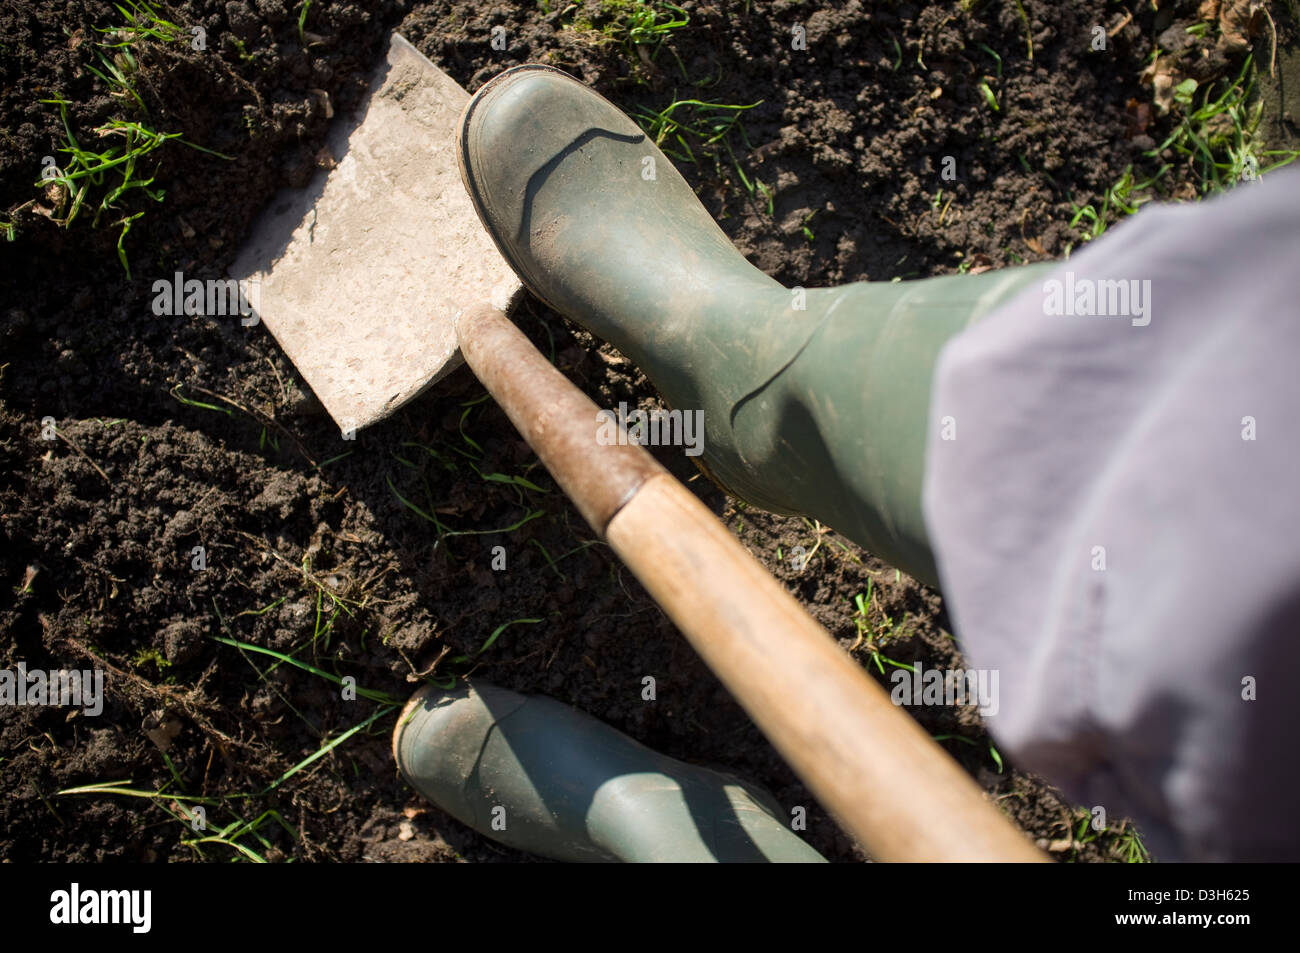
<point x="314" y="554"/>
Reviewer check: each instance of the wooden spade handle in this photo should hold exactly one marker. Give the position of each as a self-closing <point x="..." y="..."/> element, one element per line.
<point x="867" y="761"/>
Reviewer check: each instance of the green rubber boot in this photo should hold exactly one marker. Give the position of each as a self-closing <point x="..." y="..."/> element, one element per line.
<point x="541" y="777"/>
<point x="815" y="402"/>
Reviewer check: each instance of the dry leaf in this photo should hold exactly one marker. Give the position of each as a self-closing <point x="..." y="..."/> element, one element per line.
<point x="162" y="729"/>
<point x="56" y="194"/>
<point x="1164" y="76"/>
<point x="1239" y="21"/>
<point x="1139" y="117"/>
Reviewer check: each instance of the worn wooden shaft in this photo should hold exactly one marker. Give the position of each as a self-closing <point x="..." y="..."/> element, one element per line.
<point x="866" y="760"/>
